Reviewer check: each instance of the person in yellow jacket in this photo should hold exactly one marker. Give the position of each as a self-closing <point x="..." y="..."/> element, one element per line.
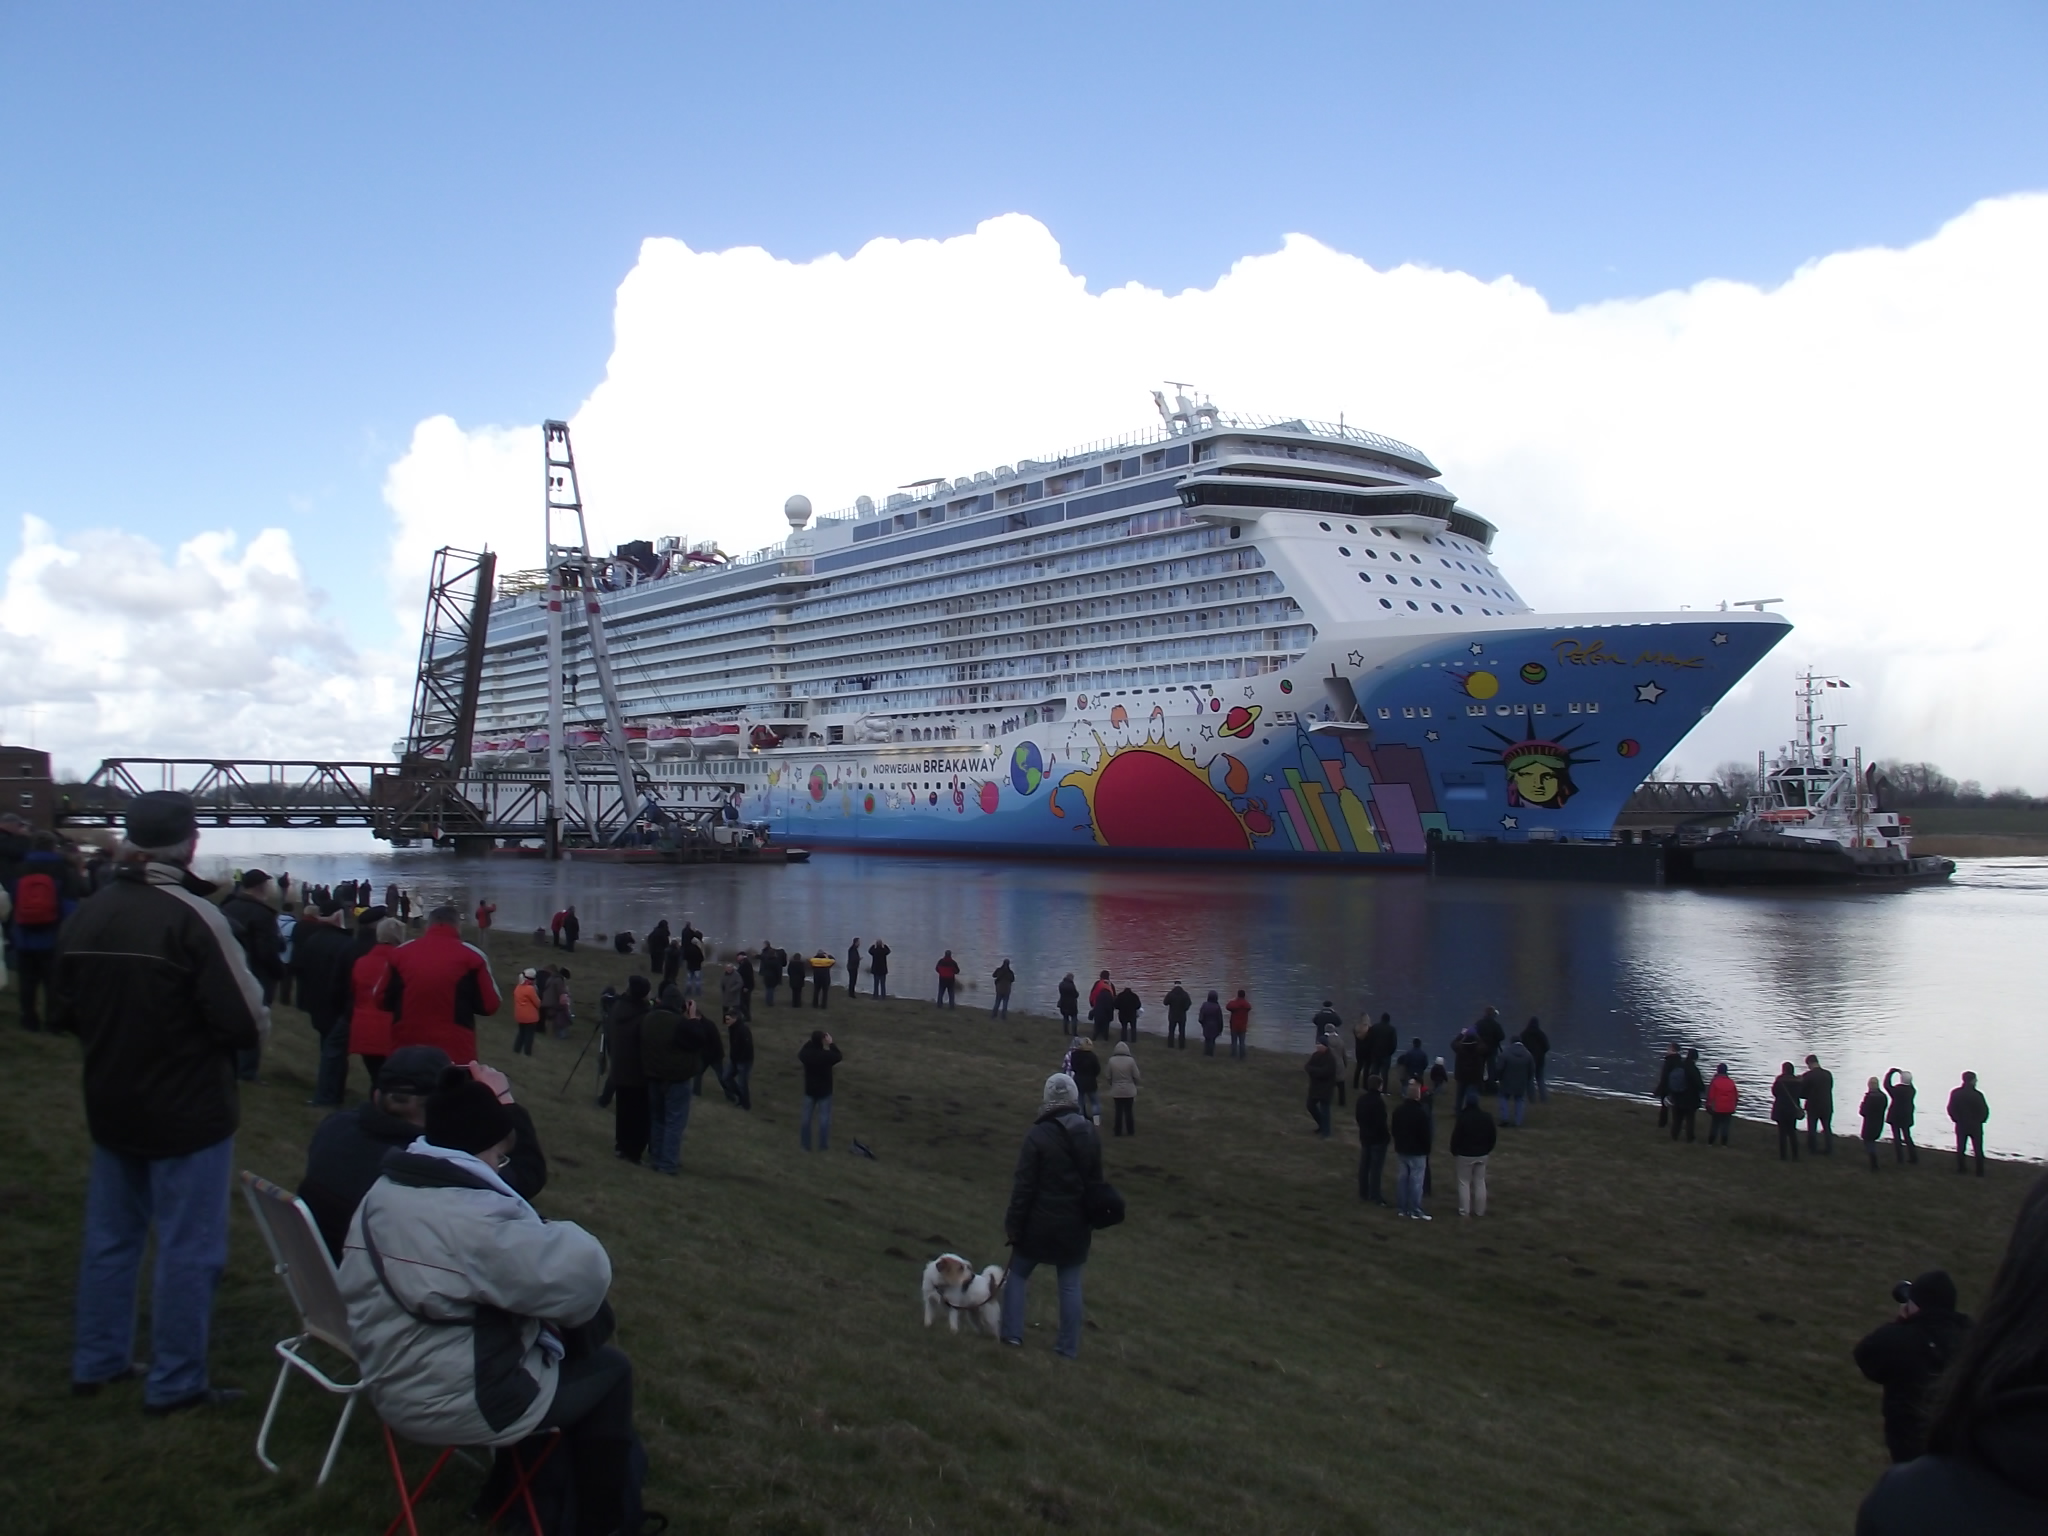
<point x="526" y="1011"/>
<point x="821" y="977"/>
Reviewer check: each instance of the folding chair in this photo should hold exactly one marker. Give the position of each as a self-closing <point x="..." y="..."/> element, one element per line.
<point x="522" y="1484"/>
<point x="299" y="1256"/>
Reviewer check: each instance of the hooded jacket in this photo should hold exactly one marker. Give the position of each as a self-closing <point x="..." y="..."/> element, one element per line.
<point x="1177" y="1005"/>
<point x="1517" y="1070"/>
<point x="1998" y="1487"/>
<point x="449" y="1278"/>
<point x="1722" y="1094"/>
<point x="150" y="978"/>
<point x="1047" y="1220"/>
<point x="1124" y="1076"/>
<point x="434" y="991"/>
<point x="369" y="1026"/>
<point x="1211" y="1018"/>
<point x="1966" y="1107"/>
<point x="323" y="960"/>
<point x="1473" y="1133"/>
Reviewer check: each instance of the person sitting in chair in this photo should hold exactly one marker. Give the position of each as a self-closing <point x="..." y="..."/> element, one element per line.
<point x="477" y="1323"/>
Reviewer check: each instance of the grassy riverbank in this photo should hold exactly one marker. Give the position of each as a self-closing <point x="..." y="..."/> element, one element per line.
<point x="1641" y="1337"/>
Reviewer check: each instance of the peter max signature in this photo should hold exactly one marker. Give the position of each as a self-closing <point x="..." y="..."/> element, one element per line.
<point x="1570" y="650"/>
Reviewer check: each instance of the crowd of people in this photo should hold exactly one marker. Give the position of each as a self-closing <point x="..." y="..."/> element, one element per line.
<point x="424" y="1190"/>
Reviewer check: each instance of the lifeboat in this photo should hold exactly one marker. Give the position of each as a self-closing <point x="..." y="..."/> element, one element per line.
<point x="761" y="738"/>
<point x="710" y="736"/>
<point x="667" y="740"/>
<point x="1786" y="815"/>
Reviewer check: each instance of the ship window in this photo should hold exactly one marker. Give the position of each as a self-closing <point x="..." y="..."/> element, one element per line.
<point x="1413" y="604"/>
<point x="1324" y="526"/>
<point x="1456" y="609"/>
<point x="1343" y="549"/>
<point x="1393" y="580"/>
<point x="1386" y="714"/>
<point x="1416" y="580"/>
<point x="1435" y="583"/>
<point x="1372" y="554"/>
<point x="1386" y="602"/>
<point x="1351" y="527"/>
<point x="1439" y="607"/>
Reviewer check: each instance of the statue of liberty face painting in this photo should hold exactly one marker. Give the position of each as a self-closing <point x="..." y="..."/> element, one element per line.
<point x="1539" y="773"/>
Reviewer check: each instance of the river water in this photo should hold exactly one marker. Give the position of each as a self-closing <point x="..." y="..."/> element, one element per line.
<point x="1935" y="980"/>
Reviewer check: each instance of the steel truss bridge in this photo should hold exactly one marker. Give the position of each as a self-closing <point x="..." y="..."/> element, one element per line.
<point x="398" y="802"/>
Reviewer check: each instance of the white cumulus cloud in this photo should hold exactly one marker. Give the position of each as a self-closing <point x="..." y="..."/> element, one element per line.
<point x="108" y="646"/>
<point x="1859" y="440"/>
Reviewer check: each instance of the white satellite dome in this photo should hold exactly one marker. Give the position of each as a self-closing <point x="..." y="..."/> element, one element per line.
<point x="798" y="510"/>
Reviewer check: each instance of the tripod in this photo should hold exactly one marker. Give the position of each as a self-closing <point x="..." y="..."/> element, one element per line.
<point x="600" y="1038"/>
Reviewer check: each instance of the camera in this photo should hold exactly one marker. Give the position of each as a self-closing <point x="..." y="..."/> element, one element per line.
<point x="1902" y="1293"/>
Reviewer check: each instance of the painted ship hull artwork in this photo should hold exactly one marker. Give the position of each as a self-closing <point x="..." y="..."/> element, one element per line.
<point x="1227" y="636"/>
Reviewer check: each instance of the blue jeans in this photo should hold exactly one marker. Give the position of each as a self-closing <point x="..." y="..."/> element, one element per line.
<point x="1091" y="1104"/>
<point x="736" y="1076"/>
<point x="1069" y="1342"/>
<point x="823" y="1109"/>
<point x="332" y="1077"/>
<point x="1542" y="1087"/>
<point x="1320" y="1109"/>
<point x="1000" y="1009"/>
<point x="1516" y="1103"/>
<point x="1412" y="1169"/>
<point x="1237" y="1046"/>
<point x="185" y="1200"/>
<point x="668" y="1116"/>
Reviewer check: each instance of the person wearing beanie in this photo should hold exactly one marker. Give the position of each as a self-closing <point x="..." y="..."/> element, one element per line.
<point x="1899" y="1117"/>
<point x="632" y="1121"/>
<point x="1722" y="1097"/>
<point x="149" y="976"/>
<point x="322" y="965"/>
<point x="474" y="1321"/>
<point x="817" y="1056"/>
<point x="253" y="920"/>
<point x="1047" y="1220"/>
<point x="369" y="1026"/>
<point x="348" y="1149"/>
<point x="1908" y="1353"/>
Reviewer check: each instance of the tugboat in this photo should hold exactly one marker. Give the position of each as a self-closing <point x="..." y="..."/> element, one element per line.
<point x="1813" y="819"/>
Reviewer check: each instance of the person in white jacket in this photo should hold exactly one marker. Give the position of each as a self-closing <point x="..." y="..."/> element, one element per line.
<point x="476" y="1322"/>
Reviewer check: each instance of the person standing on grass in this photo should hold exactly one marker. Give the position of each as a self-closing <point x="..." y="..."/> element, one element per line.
<point x="657" y="947"/>
<point x="369" y="1026"/>
<point x="821" y="977"/>
<point x="41" y="888"/>
<point x="1177" y="1004"/>
<point x="1327" y="1021"/>
<point x="1875" y="1110"/>
<point x="853" y="969"/>
<point x="1128" y="1008"/>
<point x="1004" y="978"/>
<point x="799" y="973"/>
<point x="572" y="928"/>
<point x="1101" y="1007"/>
<point x="149" y="976"/>
<point x="1322" y="1086"/>
<point x="1412" y="1132"/>
<point x="485" y="911"/>
<point x="1685" y="1099"/>
<point x="1373" y="1136"/>
<point x="1900" y="1116"/>
<point x="525" y="1011"/>
<point x="1785" y="1110"/>
<point x="1085" y="1067"/>
<point x="323" y="958"/>
<point x="254" y="924"/>
<point x="948" y="970"/>
<point x="1538" y="1042"/>
<point x="561" y="1011"/>
<point x="693" y="963"/>
<point x="1413" y="1062"/>
<point x="1907" y="1355"/>
<point x="771" y="971"/>
<point x="1047" y="1220"/>
<point x="729" y="989"/>
<point x="1472" y="1142"/>
<point x="739" y="1059"/>
<point x="1211" y="1019"/>
<point x="631" y="1121"/>
<point x="1361" y="1052"/>
<point x="1967" y="1111"/>
<point x="745" y="966"/>
<point x="436" y="987"/>
<point x="1517" y="1072"/>
<point x="670" y="1060"/>
<point x="818" y="1056"/>
<point x="1070" y="1004"/>
<point x="1817" y="1088"/>
<point x="1124" y="1079"/>
<point x="878" y="968"/>
<point x="1240" y="1010"/>
<point x="1661" y="1090"/>
<point x="1722" y="1097"/>
<point x="1468" y="1065"/>
<point x="1381" y="1041"/>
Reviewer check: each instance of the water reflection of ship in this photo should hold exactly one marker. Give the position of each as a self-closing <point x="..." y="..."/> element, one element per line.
<point x="1813" y="817"/>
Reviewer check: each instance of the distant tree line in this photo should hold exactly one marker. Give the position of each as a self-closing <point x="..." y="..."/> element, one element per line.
<point x="1901" y="785"/>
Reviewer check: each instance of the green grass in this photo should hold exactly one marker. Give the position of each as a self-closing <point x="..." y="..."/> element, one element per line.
<point x="1642" y="1337"/>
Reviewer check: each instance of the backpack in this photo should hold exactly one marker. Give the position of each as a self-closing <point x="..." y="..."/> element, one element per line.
<point x="1674" y="1082"/>
<point x="35" y="901"/>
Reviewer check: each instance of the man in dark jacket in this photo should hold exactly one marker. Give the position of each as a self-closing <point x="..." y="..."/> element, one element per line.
<point x="347" y="1152"/>
<point x="1376" y="1050"/>
<point x="1785" y="1106"/>
<point x="739" y="1062"/>
<point x="676" y="1045"/>
<point x="1685" y="1087"/>
<point x="1178" y="1002"/>
<point x="1373" y="1137"/>
<point x="657" y="946"/>
<point x="1047" y="1219"/>
<point x="1413" y="1062"/>
<point x="1906" y="1354"/>
<point x="878" y="968"/>
<point x="1968" y="1112"/>
<point x="253" y="921"/>
<point x="1491" y="1033"/>
<point x="1005" y="977"/>
<point x="1538" y="1042"/>
<point x="628" y="1083"/>
<point x="1412" y="1133"/>
<point x="853" y="969"/>
<point x="1468" y="1066"/>
<point x="1472" y="1141"/>
<point x="323" y="961"/>
<point x="1322" y="1087"/>
<point x="150" y="978"/>
<point x="1127" y="1008"/>
<point x="772" y="960"/>
<point x="43" y="892"/>
<point x="1661" y="1089"/>
<point x="1817" y="1091"/>
<point x="817" y="1056"/>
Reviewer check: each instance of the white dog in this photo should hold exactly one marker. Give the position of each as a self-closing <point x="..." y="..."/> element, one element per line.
<point x="950" y="1282"/>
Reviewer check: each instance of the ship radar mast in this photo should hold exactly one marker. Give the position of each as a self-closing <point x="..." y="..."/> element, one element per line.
<point x="1186" y="416"/>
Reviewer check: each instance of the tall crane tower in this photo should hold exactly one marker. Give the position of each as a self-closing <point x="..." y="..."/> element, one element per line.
<point x="572" y="580"/>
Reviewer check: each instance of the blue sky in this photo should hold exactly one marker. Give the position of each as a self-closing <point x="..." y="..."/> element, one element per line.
<point x="245" y="249"/>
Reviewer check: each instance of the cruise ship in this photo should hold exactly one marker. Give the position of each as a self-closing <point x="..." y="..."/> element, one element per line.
<point x="1223" y="636"/>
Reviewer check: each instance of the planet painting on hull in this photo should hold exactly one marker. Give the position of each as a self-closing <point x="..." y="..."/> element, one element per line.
<point x="1628" y="746"/>
<point x="1242" y="720"/>
<point x="1477" y="685"/>
<point x="1533" y="672"/>
<point x="988" y="796"/>
<point x="1027" y="768"/>
<point x="820" y="782"/>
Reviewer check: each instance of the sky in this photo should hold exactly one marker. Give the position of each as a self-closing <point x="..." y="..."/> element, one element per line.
<point x="1691" y="301"/>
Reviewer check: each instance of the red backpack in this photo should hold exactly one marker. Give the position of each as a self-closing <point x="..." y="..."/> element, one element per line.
<point x="35" y="901"/>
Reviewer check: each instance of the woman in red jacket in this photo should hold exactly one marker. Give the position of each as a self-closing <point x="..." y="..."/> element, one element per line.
<point x="1722" y="1095"/>
<point x="369" y="1027"/>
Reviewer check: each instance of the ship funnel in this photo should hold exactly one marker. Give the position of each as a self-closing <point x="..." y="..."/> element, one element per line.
<point x="798" y="510"/>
